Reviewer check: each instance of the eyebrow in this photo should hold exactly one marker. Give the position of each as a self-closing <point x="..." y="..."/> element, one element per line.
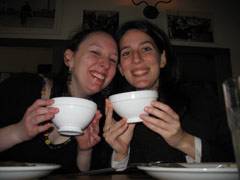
<point x="101" y="47"/>
<point x="95" y="44"/>
<point x="142" y="43"/>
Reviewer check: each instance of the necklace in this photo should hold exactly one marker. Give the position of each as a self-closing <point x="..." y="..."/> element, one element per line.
<point x="43" y="92"/>
<point x="46" y="134"/>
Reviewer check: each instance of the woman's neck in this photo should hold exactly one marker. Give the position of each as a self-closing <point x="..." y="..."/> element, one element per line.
<point x="75" y="91"/>
<point x="48" y="87"/>
<point x="57" y="138"/>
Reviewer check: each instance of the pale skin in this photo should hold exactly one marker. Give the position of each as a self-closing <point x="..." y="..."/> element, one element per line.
<point x="138" y="60"/>
<point x="93" y="66"/>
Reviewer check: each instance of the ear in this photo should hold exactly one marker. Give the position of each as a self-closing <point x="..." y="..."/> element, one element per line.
<point x="68" y="54"/>
<point x="163" y="60"/>
<point x="120" y="69"/>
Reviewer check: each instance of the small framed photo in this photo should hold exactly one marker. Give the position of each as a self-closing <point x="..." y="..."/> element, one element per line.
<point x="30" y="17"/>
<point x="189" y="26"/>
<point x="100" y="19"/>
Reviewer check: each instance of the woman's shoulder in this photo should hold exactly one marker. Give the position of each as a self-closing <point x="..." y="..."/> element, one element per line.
<point x="199" y="89"/>
<point x="22" y="77"/>
<point x="21" y="81"/>
<point x="25" y="75"/>
<point x="201" y="95"/>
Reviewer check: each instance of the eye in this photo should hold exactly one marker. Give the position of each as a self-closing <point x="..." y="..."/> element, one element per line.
<point x="145" y="49"/>
<point x="113" y="59"/>
<point x="126" y="53"/>
<point x="95" y="52"/>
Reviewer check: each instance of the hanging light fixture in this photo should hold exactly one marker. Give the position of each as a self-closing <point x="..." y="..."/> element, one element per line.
<point x="150" y="12"/>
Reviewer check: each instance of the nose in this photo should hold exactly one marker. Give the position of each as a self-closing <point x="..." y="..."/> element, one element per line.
<point x="137" y="58"/>
<point x="105" y="62"/>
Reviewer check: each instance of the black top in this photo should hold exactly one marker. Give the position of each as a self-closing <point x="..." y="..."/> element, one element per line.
<point x="203" y="118"/>
<point x="16" y="95"/>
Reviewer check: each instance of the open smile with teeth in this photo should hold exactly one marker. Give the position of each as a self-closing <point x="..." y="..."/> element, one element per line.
<point x="98" y="75"/>
<point x="140" y="72"/>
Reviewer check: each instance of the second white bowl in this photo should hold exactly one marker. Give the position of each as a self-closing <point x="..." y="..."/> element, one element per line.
<point x="131" y="104"/>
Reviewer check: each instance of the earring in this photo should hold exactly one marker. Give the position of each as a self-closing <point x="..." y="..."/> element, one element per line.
<point x="69" y="79"/>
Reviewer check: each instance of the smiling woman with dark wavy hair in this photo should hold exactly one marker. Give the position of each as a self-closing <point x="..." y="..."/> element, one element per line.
<point x="186" y="123"/>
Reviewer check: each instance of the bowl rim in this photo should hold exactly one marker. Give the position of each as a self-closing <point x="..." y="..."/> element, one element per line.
<point x="133" y="95"/>
<point x="73" y="101"/>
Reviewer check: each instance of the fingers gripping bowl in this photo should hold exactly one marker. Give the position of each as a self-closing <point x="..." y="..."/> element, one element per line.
<point x="74" y="114"/>
<point x="131" y="104"/>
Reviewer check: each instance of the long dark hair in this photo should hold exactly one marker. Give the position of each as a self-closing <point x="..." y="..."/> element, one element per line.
<point x="60" y="80"/>
<point x="170" y="76"/>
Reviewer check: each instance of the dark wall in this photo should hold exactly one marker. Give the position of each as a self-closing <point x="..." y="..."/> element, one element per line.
<point x="212" y="65"/>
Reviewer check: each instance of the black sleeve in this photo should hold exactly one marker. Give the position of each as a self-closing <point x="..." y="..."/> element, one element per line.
<point x="17" y="93"/>
<point x="207" y="120"/>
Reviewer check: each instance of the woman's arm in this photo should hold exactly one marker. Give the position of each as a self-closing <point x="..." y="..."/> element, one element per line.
<point x="117" y="134"/>
<point x="120" y="165"/>
<point x="29" y="126"/>
<point x="208" y="115"/>
<point x="9" y="137"/>
<point x="84" y="159"/>
<point x="198" y="152"/>
<point x="86" y="141"/>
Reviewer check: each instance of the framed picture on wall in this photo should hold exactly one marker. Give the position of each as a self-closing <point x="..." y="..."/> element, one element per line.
<point x="31" y="17"/>
<point x="100" y="19"/>
<point x="189" y="26"/>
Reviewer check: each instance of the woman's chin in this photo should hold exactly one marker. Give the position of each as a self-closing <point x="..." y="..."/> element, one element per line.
<point x="95" y="89"/>
<point x="145" y="85"/>
<point x="142" y="86"/>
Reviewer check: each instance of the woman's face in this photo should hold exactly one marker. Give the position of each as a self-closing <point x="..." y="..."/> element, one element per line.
<point x="93" y="64"/>
<point x="140" y="60"/>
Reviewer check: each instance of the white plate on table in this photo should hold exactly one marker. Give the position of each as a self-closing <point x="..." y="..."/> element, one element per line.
<point x="197" y="171"/>
<point x="31" y="171"/>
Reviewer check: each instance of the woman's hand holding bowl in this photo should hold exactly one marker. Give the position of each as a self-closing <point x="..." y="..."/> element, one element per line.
<point x="117" y="134"/>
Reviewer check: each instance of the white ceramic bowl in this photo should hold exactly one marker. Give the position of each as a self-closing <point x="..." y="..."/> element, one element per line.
<point x="131" y="104"/>
<point x="74" y="114"/>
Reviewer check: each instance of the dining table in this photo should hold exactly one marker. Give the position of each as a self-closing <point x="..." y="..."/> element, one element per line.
<point x="134" y="171"/>
<point x="131" y="173"/>
<point x="156" y="170"/>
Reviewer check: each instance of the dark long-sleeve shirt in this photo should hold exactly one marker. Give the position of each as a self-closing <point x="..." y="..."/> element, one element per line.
<point x="16" y="95"/>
